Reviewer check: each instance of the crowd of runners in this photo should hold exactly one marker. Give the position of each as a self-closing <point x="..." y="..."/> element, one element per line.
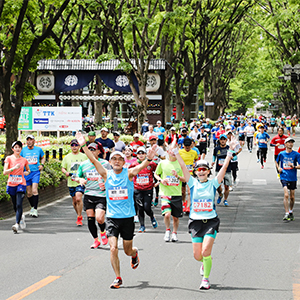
<point x="118" y="184"/>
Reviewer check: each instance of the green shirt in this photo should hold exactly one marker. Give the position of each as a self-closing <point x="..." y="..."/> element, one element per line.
<point x="95" y="183"/>
<point x="71" y="163"/>
<point x="164" y="170"/>
<point x="288" y="123"/>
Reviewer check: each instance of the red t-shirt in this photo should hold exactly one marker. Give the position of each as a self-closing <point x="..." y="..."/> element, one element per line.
<point x="16" y="177"/>
<point x="277" y="139"/>
<point x="219" y="132"/>
<point x="135" y="146"/>
<point x="144" y="180"/>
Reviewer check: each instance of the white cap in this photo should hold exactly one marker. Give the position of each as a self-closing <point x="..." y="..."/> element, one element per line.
<point x="141" y="149"/>
<point x="117" y="153"/>
<point x="207" y="119"/>
<point x="136" y="135"/>
<point x="104" y="128"/>
<point x="228" y="128"/>
<point x="173" y="128"/>
<point x="158" y="122"/>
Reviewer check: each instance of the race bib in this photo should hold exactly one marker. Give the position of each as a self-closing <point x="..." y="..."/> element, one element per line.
<point x="190" y="167"/>
<point x="32" y="160"/>
<point x="118" y="193"/>
<point x="286" y="166"/>
<point x="172" y="180"/>
<point x="202" y="205"/>
<point x="262" y="141"/>
<point x="15" y="179"/>
<point x="202" y="140"/>
<point x="281" y="147"/>
<point x="221" y="161"/>
<point x="142" y="180"/>
<point x="93" y="176"/>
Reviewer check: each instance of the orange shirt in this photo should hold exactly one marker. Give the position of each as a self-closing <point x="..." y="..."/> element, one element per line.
<point x="16" y="177"/>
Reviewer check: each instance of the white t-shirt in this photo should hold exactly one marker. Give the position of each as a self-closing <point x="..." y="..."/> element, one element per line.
<point x="249" y="130"/>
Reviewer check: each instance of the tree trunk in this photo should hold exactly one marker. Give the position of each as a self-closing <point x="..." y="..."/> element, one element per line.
<point x="168" y="106"/>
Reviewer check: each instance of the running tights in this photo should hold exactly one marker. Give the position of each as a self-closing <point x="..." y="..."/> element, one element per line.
<point x="143" y="200"/>
<point x="250" y="142"/>
<point x="17" y="201"/>
<point x="93" y="228"/>
<point x="262" y="155"/>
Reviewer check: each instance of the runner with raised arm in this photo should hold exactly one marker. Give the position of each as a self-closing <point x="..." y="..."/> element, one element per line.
<point x="204" y="221"/>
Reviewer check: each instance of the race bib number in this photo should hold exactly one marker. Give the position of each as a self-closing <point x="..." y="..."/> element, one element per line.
<point x="118" y="193"/>
<point x="32" y="160"/>
<point x="203" y="140"/>
<point x="286" y="166"/>
<point x="202" y="205"/>
<point x="281" y="147"/>
<point x="15" y="179"/>
<point x="221" y="161"/>
<point x="172" y="180"/>
<point x="190" y="167"/>
<point x="142" y="180"/>
<point x="262" y="141"/>
<point x="93" y="176"/>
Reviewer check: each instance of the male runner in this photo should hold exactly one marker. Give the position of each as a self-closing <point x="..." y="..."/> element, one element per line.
<point x="94" y="195"/>
<point x="70" y="165"/>
<point x="107" y="143"/>
<point x="170" y="192"/>
<point x="261" y="140"/>
<point x="36" y="159"/>
<point x="287" y="164"/>
<point x="120" y="204"/>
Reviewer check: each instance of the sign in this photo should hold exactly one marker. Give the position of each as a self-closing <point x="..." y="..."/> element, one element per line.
<point x="47" y="118"/>
<point x="209" y="103"/>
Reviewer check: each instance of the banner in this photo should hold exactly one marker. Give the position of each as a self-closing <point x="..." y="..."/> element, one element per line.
<point x="62" y="118"/>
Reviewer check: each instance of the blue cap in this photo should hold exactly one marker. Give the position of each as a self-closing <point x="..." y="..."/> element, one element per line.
<point x="223" y="135"/>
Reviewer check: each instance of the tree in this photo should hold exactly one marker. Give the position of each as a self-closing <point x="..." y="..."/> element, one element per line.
<point x="25" y="28"/>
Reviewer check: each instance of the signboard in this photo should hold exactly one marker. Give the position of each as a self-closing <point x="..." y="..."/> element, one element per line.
<point x="209" y="103"/>
<point x="63" y="118"/>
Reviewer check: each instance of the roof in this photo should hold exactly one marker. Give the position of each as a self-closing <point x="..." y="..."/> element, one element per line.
<point x="91" y="64"/>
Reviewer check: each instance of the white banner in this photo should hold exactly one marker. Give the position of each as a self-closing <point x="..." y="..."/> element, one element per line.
<point x="62" y="118"/>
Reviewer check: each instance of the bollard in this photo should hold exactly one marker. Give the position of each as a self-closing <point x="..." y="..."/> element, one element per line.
<point x="54" y="153"/>
<point x="60" y="151"/>
<point x="47" y="155"/>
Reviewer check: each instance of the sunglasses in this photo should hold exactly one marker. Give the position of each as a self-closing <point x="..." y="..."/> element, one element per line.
<point x="74" y="145"/>
<point x="203" y="169"/>
<point x="141" y="153"/>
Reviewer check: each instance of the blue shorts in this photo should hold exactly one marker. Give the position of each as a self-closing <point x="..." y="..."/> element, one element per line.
<point x="288" y="128"/>
<point x="75" y="189"/>
<point x="291" y="185"/>
<point x="33" y="177"/>
<point x="13" y="190"/>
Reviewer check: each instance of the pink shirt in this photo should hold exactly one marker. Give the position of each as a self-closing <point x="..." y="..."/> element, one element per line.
<point x="129" y="162"/>
<point x="16" y="177"/>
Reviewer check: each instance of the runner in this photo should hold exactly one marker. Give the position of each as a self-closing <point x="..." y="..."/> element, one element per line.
<point x="203" y="142"/>
<point x="170" y="137"/>
<point x="249" y="131"/>
<point x="16" y="185"/>
<point x="288" y="124"/>
<point x="241" y="132"/>
<point x="261" y="140"/>
<point x="120" y="205"/>
<point x="119" y="145"/>
<point x="107" y="143"/>
<point x="136" y="143"/>
<point x="70" y="165"/>
<point x="204" y="221"/>
<point x="219" y="156"/>
<point x="189" y="156"/>
<point x="273" y="123"/>
<point x="36" y="159"/>
<point x="170" y="192"/>
<point x="143" y="189"/>
<point x="161" y="133"/>
<point x="278" y="142"/>
<point x="94" y="195"/>
<point x="129" y="159"/>
<point x="92" y="139"/>
<point x="159" y="155"/>
<point x="287" y="164"/>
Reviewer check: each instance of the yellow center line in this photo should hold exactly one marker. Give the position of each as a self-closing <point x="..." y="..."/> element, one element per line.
<point x="296" y="291"/>
<point x="33" y="288"/>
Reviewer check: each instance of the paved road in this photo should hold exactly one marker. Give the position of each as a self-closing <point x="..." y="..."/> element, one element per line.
<point x="256" y="255"/>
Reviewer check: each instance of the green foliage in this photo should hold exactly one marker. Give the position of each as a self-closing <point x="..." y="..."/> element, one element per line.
<point x="52" y="174"/>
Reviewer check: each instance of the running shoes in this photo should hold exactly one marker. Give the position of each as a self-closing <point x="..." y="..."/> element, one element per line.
<point x="286" y="217"/>
<point x="79" y="221"/>
<point x="291" y="217"/>
<point x="205" y="285"/>
<point x="116" y="284"/>
<point x="220" y="199"/>
<point x="154" y="222"/>
<point x="167" y="236"/>
<point x="142" y="229"/>
<point x="35" y="213"/>
<point x="31" y="211"/>
<point x="15" y="228"/>
<point x="22" y="222"/>
<point x="135" y="261"/>
<point x="225" y="203"/>
<point x="174" y="237"/>
<point x="96" y="244"/>
<point x="104" y="238"/>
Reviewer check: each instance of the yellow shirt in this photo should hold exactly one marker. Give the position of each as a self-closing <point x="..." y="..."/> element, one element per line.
<point x="188" y="158"/>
